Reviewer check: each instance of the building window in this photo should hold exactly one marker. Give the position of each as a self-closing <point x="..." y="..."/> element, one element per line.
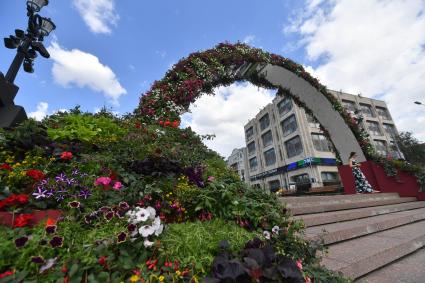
<point x="349" y="105"/>
<point x="390" y="130"/>
<point x="383" y="113"/>
<point x="267" y="138"/>
<point x="289" y="125"/>
<point x="284" y="106"/>
<point x="253" y="163"/>
<point x="312" y="121"/>
<point x="321" y="143"/>
<point x="330" y="178"/>
<point x="293" y="147"/>
<point x="373" y="127"/>
<point x="274" y="186"/>
<point x="270" y="157"/>
<point x="264" y="121"/>
<point x="251" y="148"/>
<point x="301" y="179"/>
<point x="367" y="110"/>
<point x="380" y="147"/>
<point x="249" y="132"/>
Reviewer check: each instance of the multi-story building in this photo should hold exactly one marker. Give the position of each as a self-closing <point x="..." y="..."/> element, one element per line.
<point x="286" y="148"/>
<point x="238" y="162"/>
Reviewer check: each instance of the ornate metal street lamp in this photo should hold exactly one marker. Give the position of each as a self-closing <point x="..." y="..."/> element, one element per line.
<point x="28" y="44"/>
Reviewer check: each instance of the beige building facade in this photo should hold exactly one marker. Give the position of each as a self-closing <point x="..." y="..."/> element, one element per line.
<point x="285" y="147"/>
<point x="238" y="162"/>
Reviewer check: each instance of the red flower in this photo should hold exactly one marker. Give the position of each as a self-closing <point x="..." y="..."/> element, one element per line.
<point x="167" y="123"/>
<point x="138" y="125"/>
<point x="66" y="155"/>
<point x="23" y="220"/>
<point x="66" y="280"/>
<point x="21" y="199"/>
<point x="102" y="261"/>
<point x="37" y="175"/>
<point x="175" y="124"/>
<point x="5" y="166"/>
<point x="5" y="274"/>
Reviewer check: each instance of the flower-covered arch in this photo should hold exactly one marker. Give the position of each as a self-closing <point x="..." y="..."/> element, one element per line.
<point x="225" y="64"/>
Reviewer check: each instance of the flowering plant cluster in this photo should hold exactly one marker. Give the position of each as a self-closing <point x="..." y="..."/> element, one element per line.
<point x="13" y="200"/>
<point x="144" y="222"/>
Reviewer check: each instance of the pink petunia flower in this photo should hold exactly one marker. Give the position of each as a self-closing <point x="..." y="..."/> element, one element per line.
<point x="308" y="280"/>
<point x="117" y="186"/>
<point x="299" y="264"/>
<point x="104" y="181"/>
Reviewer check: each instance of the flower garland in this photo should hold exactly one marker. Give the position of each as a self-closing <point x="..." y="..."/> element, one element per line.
<point x="201" y="72"/>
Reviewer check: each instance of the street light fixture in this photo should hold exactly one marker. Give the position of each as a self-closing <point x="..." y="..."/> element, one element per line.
<point x="28" y="43"/>
<point x="419" y="103"/>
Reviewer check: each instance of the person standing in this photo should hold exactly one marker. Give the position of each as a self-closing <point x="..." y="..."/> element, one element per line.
<point x="361" y="184"/>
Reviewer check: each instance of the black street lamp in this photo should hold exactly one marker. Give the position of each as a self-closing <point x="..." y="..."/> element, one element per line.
<point x="28" y="44"/>
<point x="419" y="103"/>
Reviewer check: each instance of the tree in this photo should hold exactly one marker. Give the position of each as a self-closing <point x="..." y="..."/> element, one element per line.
<point x="413" y="149"/>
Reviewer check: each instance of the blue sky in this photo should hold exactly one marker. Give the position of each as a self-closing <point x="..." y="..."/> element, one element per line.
<point x="108" y="52"/>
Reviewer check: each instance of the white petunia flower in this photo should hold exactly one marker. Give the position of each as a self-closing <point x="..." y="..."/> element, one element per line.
<point x="156" y="223"/>
<point x="142" y="215"/>
<point x="275" y="230"/>
<point x="159" y="230"/>
<point x="147" y="243"/>
<point x="266" y="235"/>
<point x="152" y="212"/>
<point x="146" y="231"/>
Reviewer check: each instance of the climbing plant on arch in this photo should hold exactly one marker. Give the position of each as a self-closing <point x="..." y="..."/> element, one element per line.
<point x="225" y="64"/>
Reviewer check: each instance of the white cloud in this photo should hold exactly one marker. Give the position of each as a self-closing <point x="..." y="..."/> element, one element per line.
<point x="370" y="46"/>
<point x="75" y="67"/>
<point x="99" y="15"/>
<point x="226" y="113"/>
<point x="41" y="111"/>
<point x="249" y="39"/>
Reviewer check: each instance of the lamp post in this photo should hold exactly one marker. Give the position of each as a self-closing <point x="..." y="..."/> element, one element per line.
<point x="419" y="103"/>
<point x="28" y="44"/>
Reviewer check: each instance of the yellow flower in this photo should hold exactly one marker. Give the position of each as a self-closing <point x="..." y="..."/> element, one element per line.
<point x="195" y="280"/>
<point x="178" y="273"/>
<point x="161" y="278"/>
<point x="134" y="278"/>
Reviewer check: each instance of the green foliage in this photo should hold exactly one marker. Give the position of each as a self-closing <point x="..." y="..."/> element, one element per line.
<point x="413" y="150"/>
<point x="318" y="274"/>
<point x="195" y="244"/>
<point x="83" y="127"/>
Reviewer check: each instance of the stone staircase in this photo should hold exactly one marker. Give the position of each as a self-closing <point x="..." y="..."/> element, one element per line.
<point x="365" y="233"/>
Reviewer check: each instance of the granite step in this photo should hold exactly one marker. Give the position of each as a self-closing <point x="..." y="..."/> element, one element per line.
<point x="341" y="231"/>
<point x="308" y="207"/>
<point x="290" y="201"/>
<point x="316" y="219"/>
<point x="408" y="269"/>
<point x="362" y="255"/>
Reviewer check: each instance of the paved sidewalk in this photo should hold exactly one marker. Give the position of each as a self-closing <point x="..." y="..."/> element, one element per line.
<point x="409" y="269"/>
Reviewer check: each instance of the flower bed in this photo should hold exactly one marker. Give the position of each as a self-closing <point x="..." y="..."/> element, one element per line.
<point x="145" y="203"/>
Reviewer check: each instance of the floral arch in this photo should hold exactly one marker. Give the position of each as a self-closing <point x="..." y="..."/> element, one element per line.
<point x="225" y="64"/>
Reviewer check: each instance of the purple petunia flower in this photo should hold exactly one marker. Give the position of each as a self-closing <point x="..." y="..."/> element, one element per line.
<point x="109" y="215"/>
<point x="131" y="227"/>
<point x="121" y="237"/>
<point x="40" y="193"/>
<point x="51" y="229"/>
<point x="61" y="178"/>
<point x="84" y="193"/>
<point x="74" y="204"/>
<point x="75" y="172"/>
<point x="37" y="259"/>
<point x="60" y="197"/>
<point x="20" y="242"/>
<point x="49" y="193"/>
<point x="124" y="205"/>
<point x="70" y="181"/>
<point x="56" y="242"/>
